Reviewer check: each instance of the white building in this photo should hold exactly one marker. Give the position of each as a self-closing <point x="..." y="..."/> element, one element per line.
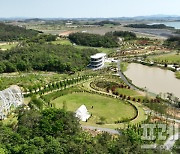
<point x="98" y="60"/>
<point x="82" y="113"/>
<point x="10" y="98"/>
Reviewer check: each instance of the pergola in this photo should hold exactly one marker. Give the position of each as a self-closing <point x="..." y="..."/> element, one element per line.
<point x="11" y="97"/>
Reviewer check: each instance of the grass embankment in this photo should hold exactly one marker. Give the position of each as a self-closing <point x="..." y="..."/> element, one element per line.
<point x="109" y="108"/>
<point x="177" y="75"/>
<point x="130" y="92"/>
<point x="124" y="66"/>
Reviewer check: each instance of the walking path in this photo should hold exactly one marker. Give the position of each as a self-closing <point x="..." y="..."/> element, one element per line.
<point x="108" y="130"/>
<point x="124" y="78"/>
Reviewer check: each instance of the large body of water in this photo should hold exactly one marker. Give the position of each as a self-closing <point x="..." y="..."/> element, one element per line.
<point x="156" y="80"/>
<point x="176" y="25"/>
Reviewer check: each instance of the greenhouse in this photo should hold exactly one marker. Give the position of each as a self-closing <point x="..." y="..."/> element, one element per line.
<point x="10" y="98"/>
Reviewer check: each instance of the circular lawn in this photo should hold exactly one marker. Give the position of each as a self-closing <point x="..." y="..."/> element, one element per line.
<point x="99" y="106"/>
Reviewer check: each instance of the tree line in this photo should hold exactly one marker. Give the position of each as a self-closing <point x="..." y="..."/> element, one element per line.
<point x="12" y="33"/>
<point x="155" y="26"/>
<point x="94" y="40"/>
<point x="173" y="41"/>
<point x="124" y="34"/>
<point x="44" y="57"/>
<point x="104" y="22"/>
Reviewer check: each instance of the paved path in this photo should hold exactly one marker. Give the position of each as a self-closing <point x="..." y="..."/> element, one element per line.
<point x="124" y="78"/>
<point x="108" y="130"/>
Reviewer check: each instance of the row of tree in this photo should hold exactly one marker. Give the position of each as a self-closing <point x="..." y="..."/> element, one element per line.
<point x="104" y="22"/>
<point x="173" y="42"/>
<point x="155" y="26"/>
<point x="124" y="34"/>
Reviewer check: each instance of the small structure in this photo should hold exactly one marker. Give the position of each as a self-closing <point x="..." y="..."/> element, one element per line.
<point x="10" y="98"/>
<point x="97" y="61"/>
<point x="82" y="113"/>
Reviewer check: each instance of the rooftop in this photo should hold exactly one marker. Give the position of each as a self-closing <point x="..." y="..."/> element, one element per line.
<point x="98" y="55"/>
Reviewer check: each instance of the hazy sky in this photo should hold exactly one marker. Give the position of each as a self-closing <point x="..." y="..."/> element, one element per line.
<point x="87" y="8"/>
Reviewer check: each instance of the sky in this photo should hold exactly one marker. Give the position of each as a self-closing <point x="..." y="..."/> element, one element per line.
<point x="87" y="8"/>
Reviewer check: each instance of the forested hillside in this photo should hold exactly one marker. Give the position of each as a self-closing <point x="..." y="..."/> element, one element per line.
<point x="93" y="40"/>
<point x="15" y="33"/>
<point x="45" y="57"/>
<point x="55" y="131"/>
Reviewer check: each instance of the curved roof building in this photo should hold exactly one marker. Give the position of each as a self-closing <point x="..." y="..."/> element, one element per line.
<point x="98" y="60"/>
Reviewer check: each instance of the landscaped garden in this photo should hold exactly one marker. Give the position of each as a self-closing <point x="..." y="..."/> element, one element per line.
<point x="169" y="59"/>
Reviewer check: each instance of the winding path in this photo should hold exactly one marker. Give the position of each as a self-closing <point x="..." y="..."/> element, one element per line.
<point x="124" y="78"/>
<point x="108" y="130"/>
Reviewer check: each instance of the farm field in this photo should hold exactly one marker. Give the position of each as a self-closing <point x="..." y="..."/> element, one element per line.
<point x="109" y="108"/>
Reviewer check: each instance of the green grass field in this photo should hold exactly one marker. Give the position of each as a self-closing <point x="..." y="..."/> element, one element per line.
<point x="62" y="42"/>
<point x="109" y="108"/>
<point x="129" y="92"/>
<point x="67" y="42"/>
<point x="7" y="46"/>
<point x="105" y="50"/>
<point x="170" y="58"/>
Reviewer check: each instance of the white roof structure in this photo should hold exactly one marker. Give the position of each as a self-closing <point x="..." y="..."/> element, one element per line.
<point x="98" y="55"/>
<point x="11" y="97"/>
<point x="82" y="113"/>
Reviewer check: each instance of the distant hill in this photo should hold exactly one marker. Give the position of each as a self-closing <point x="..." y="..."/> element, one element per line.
<point x="15" y="33"/>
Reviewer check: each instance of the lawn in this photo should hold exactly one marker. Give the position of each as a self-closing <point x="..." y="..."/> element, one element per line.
<point x="170" y="58"/>
<point x="68" y="42"/>
<point x="100" y="49"/>
<point x="62" y="42"/>
<point x="7" y="46"/>
<point x="109" y="108"/>
<point x="129" y="92"/>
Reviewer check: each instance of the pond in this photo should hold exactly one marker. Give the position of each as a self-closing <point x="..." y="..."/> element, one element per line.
<point x="154" y="79"/>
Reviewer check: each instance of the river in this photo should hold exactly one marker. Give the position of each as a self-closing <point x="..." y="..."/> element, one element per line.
<point x="155" y="80"/>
